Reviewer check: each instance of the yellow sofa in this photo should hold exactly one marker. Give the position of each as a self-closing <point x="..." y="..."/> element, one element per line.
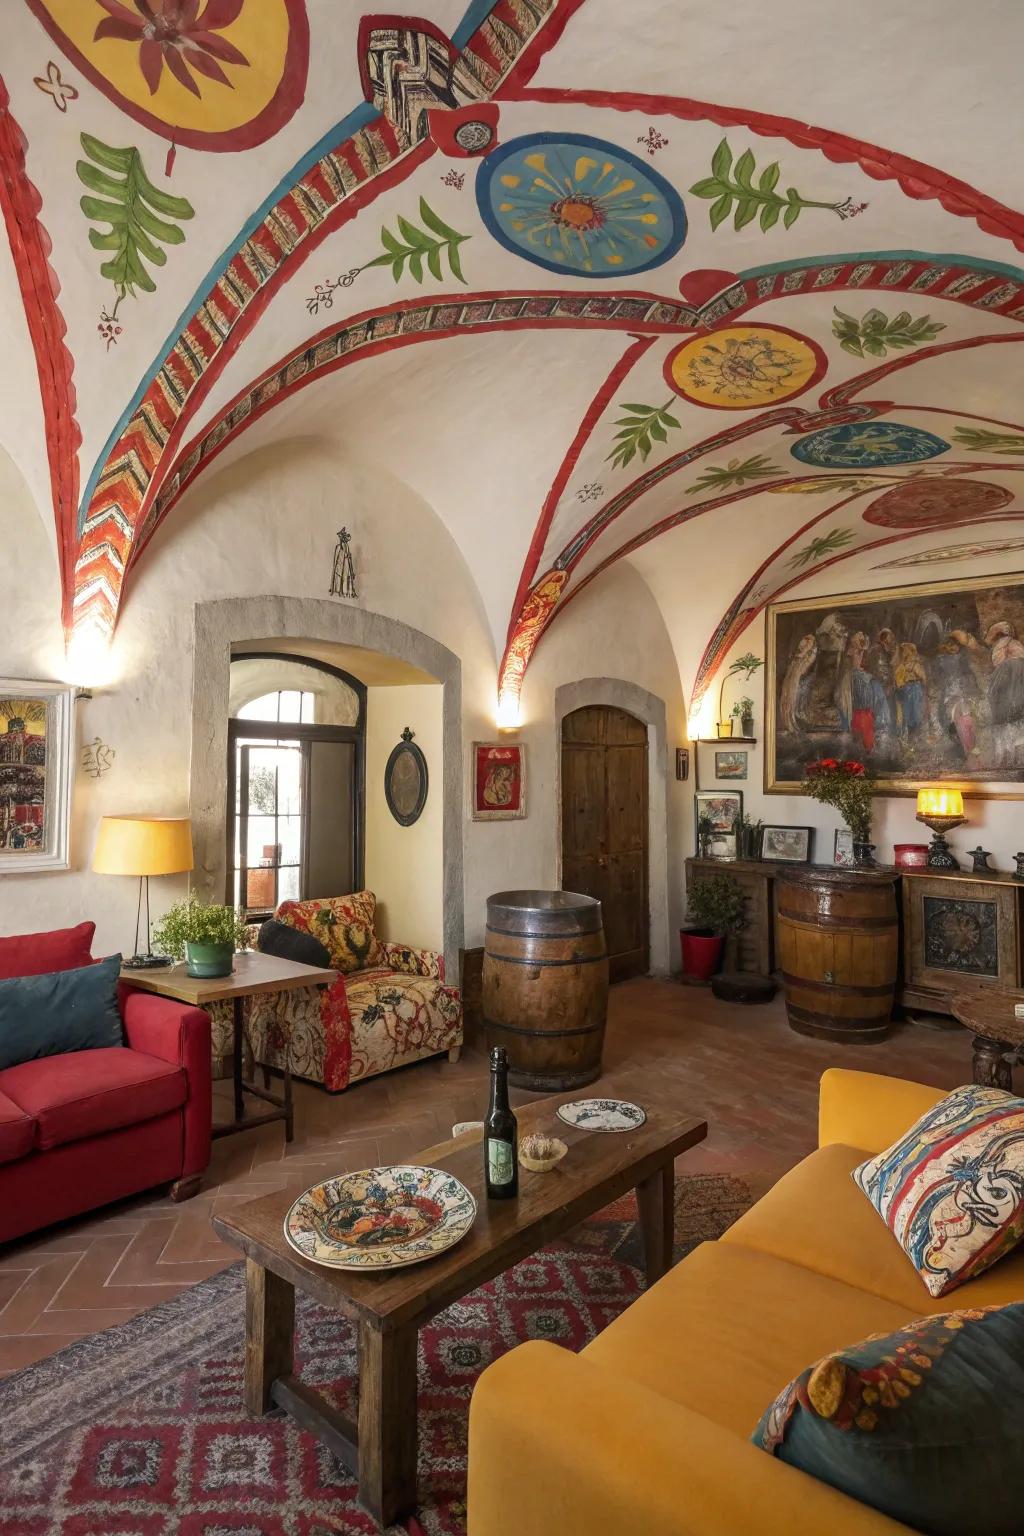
<point x="647" y="1431"/>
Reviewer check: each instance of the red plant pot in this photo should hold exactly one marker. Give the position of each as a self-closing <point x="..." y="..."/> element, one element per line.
<point x="702" y="952"/>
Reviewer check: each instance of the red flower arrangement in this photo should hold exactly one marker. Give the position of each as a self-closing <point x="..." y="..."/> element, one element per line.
<point x="844" y="784"/>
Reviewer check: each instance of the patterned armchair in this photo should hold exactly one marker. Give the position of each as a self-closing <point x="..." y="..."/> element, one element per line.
<point x="390" y="1004"/>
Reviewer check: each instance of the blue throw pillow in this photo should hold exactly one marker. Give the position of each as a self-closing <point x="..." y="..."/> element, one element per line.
<point x="62" y="1011"/>
<point x="924" y="1424"/>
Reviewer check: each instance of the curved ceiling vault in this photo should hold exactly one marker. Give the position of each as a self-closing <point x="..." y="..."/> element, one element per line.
<point x="800" y="343"/>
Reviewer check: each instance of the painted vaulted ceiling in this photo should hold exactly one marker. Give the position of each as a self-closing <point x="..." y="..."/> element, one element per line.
<point x="588" y="274"/>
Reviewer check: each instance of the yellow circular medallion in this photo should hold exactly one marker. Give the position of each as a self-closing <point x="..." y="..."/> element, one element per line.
<point x="740" y="367"/>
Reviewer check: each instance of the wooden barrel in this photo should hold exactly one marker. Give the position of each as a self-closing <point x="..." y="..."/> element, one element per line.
<point x="545" y="986"/>
<point x="837" y="940"/>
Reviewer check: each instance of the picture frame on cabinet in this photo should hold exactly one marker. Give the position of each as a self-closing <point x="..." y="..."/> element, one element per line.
<point x="842" y="848"/>
<point x="37" y="726"/>
<point x="787" y="845"/>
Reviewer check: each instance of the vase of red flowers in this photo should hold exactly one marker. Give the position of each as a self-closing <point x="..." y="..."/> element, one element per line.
<point x="844" y="784"/>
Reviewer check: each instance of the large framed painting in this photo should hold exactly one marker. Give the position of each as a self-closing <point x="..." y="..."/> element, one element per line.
<point x="36" y="764"/>
<point x="922" y="684"/>
<point x="499" y="781"/>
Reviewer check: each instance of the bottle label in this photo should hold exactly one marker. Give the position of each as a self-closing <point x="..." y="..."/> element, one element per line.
<point x="499" y="1161"/>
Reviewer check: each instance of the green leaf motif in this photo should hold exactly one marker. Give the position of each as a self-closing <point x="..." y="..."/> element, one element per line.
<point x="982" y="439"/>
<point x="140" y="217"/>
<point x="420" y="246"/>
<point x="639" y="430"/>
<point x="731" y="189"/>
<point x="735" y="473"/>
<point x="819" y="549"/>
<point x="874" y="334"/>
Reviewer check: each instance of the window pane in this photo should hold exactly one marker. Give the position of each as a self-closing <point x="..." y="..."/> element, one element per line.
<point x="291" y="705"/>
<point x="289" y="837"/>
<point x="261" y="836"/>
<point x="288" y="884"/>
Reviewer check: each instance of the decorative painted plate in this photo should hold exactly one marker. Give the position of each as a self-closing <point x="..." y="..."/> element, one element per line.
<point x="380" y="1218"/>
<point x="602" y="1115"/>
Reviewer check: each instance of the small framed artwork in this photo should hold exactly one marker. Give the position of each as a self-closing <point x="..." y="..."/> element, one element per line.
<point x="37" y="723"/>
<point x="730" y="765"/>
<point x="682" y="763"/>
<point x="843" y="850"/>
<point x="721" y="806"/>
<point x="722" y="845"/>
<point x="499" y="781"/>
<point x="787" y="845"/>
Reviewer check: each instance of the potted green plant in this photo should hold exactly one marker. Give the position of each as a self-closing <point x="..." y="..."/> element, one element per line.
<point x="745" y="710"/>
<point x="204" y="936"/>
<point x="715" y="909"/>
<point x="747" y="665"/>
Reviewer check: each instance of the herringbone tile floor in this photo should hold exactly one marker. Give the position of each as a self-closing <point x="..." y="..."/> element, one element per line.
<point x="741" y="1068"/>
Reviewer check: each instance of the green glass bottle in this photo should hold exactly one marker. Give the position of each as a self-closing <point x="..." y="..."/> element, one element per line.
<point x="501" y="1135"/>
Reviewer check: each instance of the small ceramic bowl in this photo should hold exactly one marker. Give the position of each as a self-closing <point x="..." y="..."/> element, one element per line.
<point x="541" y="1153"/>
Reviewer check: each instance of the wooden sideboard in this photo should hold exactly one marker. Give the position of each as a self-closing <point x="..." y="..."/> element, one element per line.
<point x="957" y="929"/>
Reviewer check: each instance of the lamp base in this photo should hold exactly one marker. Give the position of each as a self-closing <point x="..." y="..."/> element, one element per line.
<point x="147" y="963"/>
<point x="939" y="856"/>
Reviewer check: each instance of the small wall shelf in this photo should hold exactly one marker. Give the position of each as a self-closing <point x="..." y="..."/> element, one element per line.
<point x="726" y="741"/>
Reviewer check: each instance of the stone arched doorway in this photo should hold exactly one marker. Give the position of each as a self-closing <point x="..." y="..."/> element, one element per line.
<point x="229" y="623"/>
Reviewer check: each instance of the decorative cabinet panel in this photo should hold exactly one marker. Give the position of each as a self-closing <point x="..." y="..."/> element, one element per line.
<point x="959" y="931"/>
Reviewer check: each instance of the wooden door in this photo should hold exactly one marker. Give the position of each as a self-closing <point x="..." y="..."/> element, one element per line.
<point x="604" y="827"/>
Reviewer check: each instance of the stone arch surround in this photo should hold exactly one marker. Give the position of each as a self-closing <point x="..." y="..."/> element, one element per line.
<point x="227" y="622"/>
<point x="650" y="710"/>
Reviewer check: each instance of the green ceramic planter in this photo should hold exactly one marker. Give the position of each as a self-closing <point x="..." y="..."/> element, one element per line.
<point x="208" y="960"/>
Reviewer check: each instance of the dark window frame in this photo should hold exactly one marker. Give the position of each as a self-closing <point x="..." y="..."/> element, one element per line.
<point x="304" y="735"/>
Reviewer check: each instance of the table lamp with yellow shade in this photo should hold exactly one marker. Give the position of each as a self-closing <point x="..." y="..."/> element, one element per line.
<point x="144" y="846"/>
<point x="942" y="810"/>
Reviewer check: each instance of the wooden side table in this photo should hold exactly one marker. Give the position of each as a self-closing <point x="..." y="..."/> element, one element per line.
<point x="253" y="972"/>
<point x="988" y="1012"/>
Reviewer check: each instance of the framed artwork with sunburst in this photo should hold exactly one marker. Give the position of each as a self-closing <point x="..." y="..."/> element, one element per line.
<point x="921" y="684"/>
<point x="36" y="774"/>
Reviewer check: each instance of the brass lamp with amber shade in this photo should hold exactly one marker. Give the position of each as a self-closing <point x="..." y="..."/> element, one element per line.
<point x="144" y="846"/>
<point x="941" y="810"/>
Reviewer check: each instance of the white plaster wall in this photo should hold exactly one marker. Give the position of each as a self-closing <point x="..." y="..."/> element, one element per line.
<point x="405" y="865"/>
<point x="614" y="629"/>
<point x="266" y="524"/>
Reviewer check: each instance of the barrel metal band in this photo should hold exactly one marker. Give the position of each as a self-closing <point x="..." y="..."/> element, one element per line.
<point x="840" y="1022"/>
<point x="541" y="1034"/>
<point x="529" y="933"/>
<point x="819" y="921"/>
<point x="544" y="965"/>
<point x="840" y="988"/>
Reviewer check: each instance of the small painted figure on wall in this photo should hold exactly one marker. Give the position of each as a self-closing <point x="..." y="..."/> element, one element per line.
<point x="343" y="573"/>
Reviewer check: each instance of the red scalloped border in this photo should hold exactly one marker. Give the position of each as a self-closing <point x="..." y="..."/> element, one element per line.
<point x="30" y="242"/>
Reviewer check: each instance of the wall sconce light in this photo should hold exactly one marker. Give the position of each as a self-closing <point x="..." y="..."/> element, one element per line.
<point x="507" y="716"/>
<point x="941" y="810"/>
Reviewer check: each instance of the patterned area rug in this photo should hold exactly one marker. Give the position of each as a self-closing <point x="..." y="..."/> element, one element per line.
<point x="140" y="1431"/>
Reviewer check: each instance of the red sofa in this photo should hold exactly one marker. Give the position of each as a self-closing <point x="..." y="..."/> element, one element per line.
<point x="88" y="1127"/>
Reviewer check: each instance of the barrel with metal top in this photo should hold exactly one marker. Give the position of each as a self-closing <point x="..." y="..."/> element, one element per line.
<point x="838" y="945"/>
<point x="545" y="986"/>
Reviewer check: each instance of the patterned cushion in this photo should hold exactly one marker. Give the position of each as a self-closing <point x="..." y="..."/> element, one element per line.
<point x="923" y="1424"/>
<point x="344" y="926"/>
<point x="952" y="1189"/>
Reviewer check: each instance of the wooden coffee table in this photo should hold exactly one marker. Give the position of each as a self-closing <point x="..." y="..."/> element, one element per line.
<point x="388" y="1308"/>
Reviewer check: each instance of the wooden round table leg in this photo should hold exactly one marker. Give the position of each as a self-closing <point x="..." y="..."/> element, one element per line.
<point x="991" y="1068"/>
